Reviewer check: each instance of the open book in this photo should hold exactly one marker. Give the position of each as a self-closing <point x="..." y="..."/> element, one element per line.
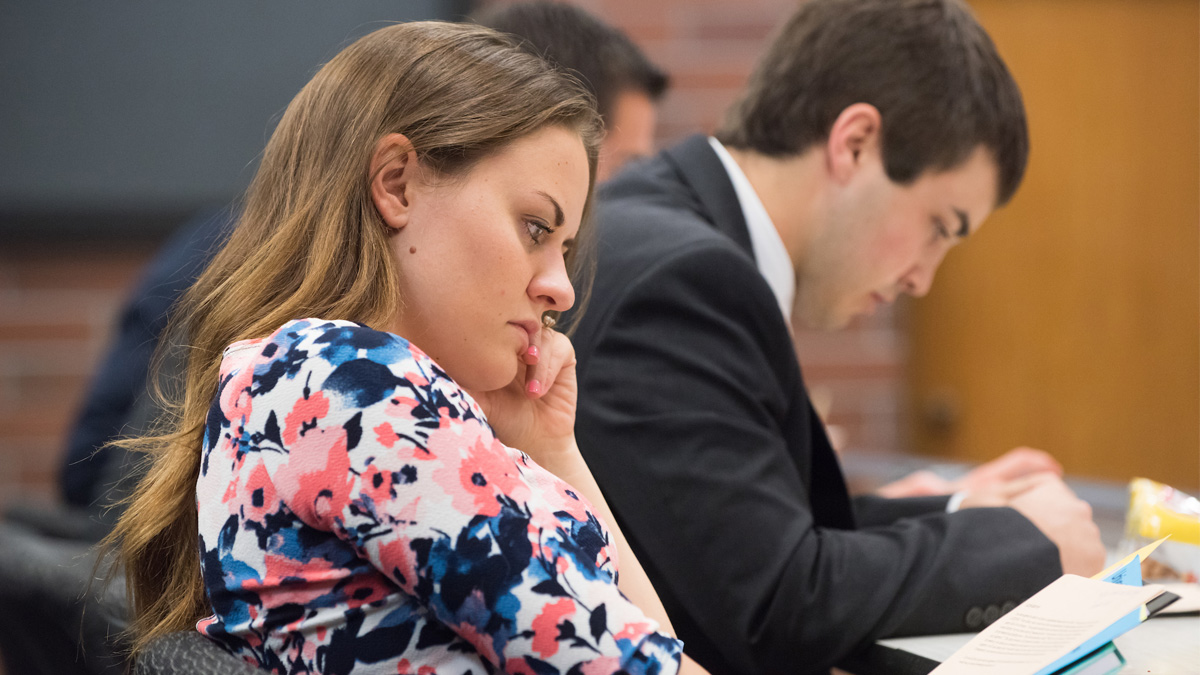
<point x="1067" y="627"/>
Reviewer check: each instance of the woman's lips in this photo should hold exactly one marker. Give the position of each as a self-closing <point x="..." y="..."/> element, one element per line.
<point x="527" y="329"/>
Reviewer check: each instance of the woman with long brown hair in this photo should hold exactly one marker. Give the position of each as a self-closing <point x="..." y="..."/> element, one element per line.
<point x="341" y="491"/>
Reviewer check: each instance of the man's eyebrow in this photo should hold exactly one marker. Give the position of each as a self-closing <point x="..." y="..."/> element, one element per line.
<point x="558" y="212"/>
<point x="964" y="223"/>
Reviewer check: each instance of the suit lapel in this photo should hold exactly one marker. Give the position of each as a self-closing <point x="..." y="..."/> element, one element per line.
<point x="704" y="173"/>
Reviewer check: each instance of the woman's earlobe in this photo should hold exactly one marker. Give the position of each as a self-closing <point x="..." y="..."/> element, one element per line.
<point x="391" y="200"/>
<point x="393" y="167"/>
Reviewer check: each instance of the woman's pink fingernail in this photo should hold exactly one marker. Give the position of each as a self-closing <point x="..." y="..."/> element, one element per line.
<point x="532" y="351"/>
<point x="534" y="387"/>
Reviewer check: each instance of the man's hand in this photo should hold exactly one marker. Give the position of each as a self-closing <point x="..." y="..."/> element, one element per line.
<point x="1054" y="509"/>
<point x="1014" y="464"/>
<point x="994" y="493"/>
<point x="985" y="478"/>
<point x="1065" y="519"/>
<point x="923" y="483"/>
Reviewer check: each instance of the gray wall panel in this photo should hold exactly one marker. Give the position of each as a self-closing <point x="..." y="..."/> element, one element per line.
<point x="124" y="110"/>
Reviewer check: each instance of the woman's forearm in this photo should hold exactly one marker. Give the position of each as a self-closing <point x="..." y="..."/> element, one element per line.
<point x="633" y="582"/>
<point x="569" y="465"/>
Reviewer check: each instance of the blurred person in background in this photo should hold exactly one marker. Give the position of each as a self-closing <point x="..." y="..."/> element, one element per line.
<point x="627" y="86"/>
<point x="873" y="136"/>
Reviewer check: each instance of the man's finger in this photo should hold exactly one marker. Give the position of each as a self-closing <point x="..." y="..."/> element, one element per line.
<point x="1020" y="461"/>
<point x="1016" y="486"/>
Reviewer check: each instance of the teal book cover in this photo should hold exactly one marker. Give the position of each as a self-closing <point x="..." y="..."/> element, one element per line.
<point x="1103" y="661"/>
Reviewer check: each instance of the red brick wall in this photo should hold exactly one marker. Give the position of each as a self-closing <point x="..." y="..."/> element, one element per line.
<point x="58" y="300"/>
<point x="58" y="303"/>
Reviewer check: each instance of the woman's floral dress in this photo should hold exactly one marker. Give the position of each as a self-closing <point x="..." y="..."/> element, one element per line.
<point x="357" y="514"/>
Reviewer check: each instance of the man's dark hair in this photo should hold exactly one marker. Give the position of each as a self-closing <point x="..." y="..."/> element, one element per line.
<point x="604" y="58"/>
<point x="926" y="65"/>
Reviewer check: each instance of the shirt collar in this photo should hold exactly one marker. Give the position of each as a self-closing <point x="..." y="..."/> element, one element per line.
<point x="770" y="255"/>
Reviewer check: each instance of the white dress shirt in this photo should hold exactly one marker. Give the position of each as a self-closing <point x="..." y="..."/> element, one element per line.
<point x="772" y="257"/>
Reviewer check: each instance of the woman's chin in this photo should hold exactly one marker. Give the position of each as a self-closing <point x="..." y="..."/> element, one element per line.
<point x="483" y="380"/>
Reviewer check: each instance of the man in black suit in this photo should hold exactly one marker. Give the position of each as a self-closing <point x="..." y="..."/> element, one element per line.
<point x="874" y="135"/>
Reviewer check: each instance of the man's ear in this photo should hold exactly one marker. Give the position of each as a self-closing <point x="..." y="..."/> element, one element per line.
<point x="393" y="168"/>
<point x="854" y="138"/>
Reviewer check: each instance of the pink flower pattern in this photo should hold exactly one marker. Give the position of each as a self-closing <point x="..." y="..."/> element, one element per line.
<point x="358" y="515"/>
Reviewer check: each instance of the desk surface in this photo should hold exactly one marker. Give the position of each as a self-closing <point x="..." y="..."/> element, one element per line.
<point x="1168" y="645"/>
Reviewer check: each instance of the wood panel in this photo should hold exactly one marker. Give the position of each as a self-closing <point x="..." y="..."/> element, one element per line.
<point x="1071" y="322"/>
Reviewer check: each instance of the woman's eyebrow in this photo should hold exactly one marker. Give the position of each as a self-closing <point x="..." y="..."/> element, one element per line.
<point x="558" y="212"/>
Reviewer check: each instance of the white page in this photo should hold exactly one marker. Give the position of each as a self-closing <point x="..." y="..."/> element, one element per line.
<point x="1047" y="626"/>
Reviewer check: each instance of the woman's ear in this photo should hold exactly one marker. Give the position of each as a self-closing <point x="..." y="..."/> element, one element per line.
<point x="854" y="139"/>
<point x="393" y="169"/>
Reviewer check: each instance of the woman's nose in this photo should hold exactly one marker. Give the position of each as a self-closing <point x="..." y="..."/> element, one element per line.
<point x="552" y="285"/>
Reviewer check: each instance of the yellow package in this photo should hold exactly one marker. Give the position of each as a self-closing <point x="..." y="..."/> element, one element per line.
<point x="1156" y="511"/>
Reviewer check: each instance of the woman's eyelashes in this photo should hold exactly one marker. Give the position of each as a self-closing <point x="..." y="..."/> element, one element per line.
<point x="537" y="229"/>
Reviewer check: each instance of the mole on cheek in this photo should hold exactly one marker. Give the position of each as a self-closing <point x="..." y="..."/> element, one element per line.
<point x="412" y="249"/>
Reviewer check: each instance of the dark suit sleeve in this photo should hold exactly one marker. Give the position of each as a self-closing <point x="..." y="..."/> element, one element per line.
<point x="870" y="510"/>
<point x="680" y="420"/>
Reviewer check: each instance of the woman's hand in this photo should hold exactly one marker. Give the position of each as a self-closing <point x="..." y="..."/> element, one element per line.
<point x="536" y="411"/>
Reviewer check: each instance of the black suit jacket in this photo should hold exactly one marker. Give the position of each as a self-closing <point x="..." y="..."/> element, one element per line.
<point x="695" y="421"/>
